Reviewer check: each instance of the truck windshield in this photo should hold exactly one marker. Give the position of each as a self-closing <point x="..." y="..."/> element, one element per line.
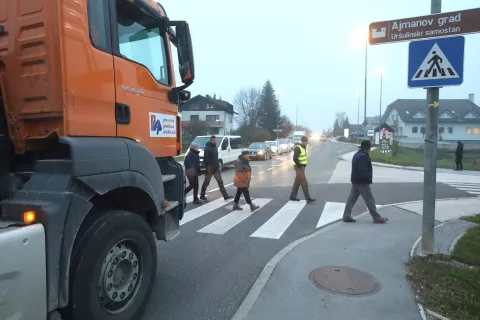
<point x="141" y="41"/>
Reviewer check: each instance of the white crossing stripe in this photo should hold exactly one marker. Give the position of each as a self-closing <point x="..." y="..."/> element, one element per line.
<point x="203" y="210"/>
<point x="189" y="199"/>
<point x="331" y="211"/>
<point x="233" y="218"/>
<point x="280" y="221"/>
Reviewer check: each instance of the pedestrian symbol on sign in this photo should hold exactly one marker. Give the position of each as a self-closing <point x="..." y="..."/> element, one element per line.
<point x="435" y="66"/>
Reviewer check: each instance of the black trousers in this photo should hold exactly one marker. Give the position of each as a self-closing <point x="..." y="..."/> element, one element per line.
<point x="193" y="184"/>
<point x="459" y="163"/>
<point x="208" y="176"/>
<point x="246" y="194"/>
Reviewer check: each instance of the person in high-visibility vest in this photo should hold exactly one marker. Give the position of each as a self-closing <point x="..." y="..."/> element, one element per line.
<point x="299" y="164"/>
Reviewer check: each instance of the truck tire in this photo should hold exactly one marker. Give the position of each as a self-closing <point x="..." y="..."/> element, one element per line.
<point x="113" y="268"/>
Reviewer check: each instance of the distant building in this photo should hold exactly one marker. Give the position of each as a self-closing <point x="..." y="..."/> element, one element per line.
<point x="217" y="114"/>
<point x="459" y="119"/>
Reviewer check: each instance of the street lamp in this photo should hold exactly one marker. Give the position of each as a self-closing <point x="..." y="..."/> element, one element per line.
<point x="279" y="91"/>
<point x="361" y="36"/>
<point x="380" y="71"/>
<point x="358" y="108"/>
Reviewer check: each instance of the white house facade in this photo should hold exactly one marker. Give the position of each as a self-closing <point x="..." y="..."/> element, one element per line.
<point x="459" y="119"/>
<point x="216" y="114"/>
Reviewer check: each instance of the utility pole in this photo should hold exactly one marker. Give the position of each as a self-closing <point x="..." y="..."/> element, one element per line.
<point x="296" y="118"/>
<point x="381" y="87"/>
<point x="430" y="161"/>
<point x="365" y="93"/>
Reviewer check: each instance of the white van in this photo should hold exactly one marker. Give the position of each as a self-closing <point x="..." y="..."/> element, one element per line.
<point x="229" y="149"/>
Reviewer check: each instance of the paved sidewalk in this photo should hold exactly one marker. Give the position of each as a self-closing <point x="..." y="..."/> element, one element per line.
<point x="348" y="157"/>
<point x="378" y="250"/>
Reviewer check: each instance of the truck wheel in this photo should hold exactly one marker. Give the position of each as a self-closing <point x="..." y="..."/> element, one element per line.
<point x="113" y="268"/>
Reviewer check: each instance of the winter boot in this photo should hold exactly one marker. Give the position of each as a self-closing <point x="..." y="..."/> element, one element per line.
<point x="253" y="207"/>
<point x="236" y="207"/>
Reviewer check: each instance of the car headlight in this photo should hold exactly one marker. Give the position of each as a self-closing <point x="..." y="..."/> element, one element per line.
<point x="260" y="152"/>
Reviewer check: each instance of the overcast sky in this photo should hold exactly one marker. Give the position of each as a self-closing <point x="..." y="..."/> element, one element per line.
<point x="311" y="51"/>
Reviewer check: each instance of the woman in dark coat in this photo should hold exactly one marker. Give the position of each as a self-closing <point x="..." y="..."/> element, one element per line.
<point x="243" y="175"/>
<point x="459" y="156"/>
<point x="192" y="168"/>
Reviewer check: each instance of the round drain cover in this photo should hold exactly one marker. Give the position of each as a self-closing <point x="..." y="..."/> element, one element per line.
<point x="344" y="280"/>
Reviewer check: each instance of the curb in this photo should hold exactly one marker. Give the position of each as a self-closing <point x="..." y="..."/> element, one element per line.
<point x="424" y="311"/>
<point x="267" y="271"/>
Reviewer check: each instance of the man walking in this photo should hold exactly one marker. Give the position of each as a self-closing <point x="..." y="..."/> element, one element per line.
<point x="192" y="169"/>
<point x="210" y="158"/>
<point x="361" y="179"/>
<point x="299" y="164"/>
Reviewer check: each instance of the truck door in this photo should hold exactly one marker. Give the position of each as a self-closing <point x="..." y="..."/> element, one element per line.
<point x="143" y="80"/>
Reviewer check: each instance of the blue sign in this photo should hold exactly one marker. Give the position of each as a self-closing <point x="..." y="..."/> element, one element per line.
<point x="436" y="62"/>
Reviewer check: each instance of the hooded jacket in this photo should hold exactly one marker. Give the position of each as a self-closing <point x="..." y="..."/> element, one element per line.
<point x="192" y="163"/>
<point x="210" y="155"/>
<point x="243" y="173"/>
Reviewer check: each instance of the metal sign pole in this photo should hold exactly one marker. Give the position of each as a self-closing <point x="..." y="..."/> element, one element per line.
<point x="430" y="161"/>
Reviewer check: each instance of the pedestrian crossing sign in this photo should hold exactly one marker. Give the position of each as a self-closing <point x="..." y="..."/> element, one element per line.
<point x="436" y="62"/>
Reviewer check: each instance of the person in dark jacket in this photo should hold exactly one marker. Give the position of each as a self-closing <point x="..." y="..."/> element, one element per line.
<point x="299" y="164"/>
<point x="459" y="156"/>
<point x="210" y="158"/>
<point x="192" y="171"/>
<point x="361" y="179"/>
<point x="241" y="180"/>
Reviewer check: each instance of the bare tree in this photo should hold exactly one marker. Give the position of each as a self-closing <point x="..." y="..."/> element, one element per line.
<point x="196" y="128"/>
<point x="341" y="117"/>
<point x="247" y="102"/>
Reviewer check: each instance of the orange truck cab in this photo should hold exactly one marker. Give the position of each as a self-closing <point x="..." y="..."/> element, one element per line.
<point x="89" y="127"/>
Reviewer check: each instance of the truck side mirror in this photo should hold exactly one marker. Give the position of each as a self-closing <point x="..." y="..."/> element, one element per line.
<point x="186" y="63"/>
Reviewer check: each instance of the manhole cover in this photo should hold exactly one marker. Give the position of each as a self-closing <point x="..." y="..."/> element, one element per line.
<point x="344" y="280"/>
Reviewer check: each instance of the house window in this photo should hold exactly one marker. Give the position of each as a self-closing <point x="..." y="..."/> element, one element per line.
<point x="476" y="130"/>
<point x="450" y="130"/>
<point x="230" y="119"/>
<point x="212" y="118"/>
<point x="414" y="129"/>
<point x="214" y="130"/>
<point x="445" y="115"/>
<point x="471" y="115"/>
<point x="419" y="115"/>
<point x="441" y="130"/>
<point x="468" y="130"/>
<point x="194" y="117"/>
<point x="422" y="130"/>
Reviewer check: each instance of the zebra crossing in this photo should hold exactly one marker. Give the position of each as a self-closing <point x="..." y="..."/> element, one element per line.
<point x="272" y="228"/>
<point x="467" y="183"/>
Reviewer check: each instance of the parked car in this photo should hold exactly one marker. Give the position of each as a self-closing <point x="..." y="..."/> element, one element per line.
<point x="260" y="150"/>
<point x="274" y="145"/>
<point x="229" y="149"/>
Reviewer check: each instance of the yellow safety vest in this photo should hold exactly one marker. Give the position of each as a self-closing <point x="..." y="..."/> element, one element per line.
<point x="302" y="157"/>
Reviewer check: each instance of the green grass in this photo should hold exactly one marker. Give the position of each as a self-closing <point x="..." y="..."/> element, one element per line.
<point x="448" y="285"/>
<point x="414" y="157"/>
<point x="473" y="219"/>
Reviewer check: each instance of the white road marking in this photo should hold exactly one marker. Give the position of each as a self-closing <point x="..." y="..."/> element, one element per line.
<point x="203" y="210"/>
<point x="280" y="221"/>
<point x="269" y="169"/>
<point x="261" y="172"/>
<point x="331" y="211"/>
<point x="233" y="218"/>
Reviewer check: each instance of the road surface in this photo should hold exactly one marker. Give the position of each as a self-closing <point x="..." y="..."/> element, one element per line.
<point x="208" y="270"/>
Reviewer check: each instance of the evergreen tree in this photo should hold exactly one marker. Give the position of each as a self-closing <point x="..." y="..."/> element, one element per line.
<point x="336" y="128"/>
<point x="269" y="108"/>
<point x="214" y="96"/>
<point x="346" y="124"/>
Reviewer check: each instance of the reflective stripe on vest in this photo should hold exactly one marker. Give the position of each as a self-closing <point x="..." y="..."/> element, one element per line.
<point x="302" y="157"/>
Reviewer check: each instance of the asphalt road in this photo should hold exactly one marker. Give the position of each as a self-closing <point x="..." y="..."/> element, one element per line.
<point x="208" y="270"/>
